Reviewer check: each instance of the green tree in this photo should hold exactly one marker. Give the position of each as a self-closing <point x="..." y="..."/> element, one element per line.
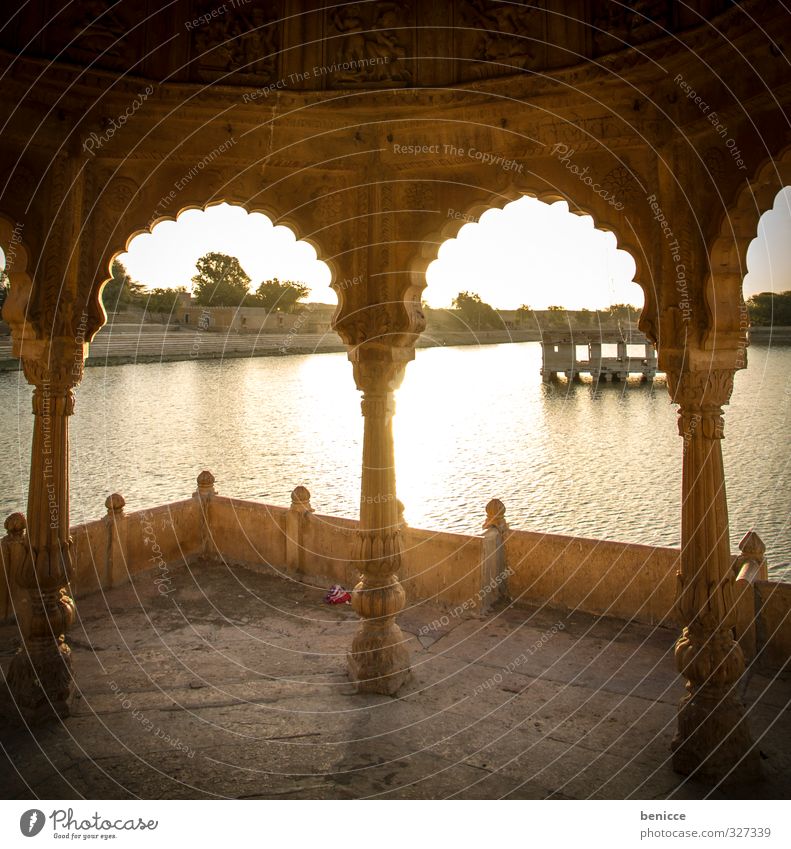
<point x="442" y="320"/>
<point x="623" y="312"/>
<point x="475" y="313"/>
<point x="558" y="316"/>
<point x="770" y="309"/>
<point x="120" y="290"/>
<point x="280" y="297"/>
<point x="159" y="300"/>
<point x="220" y="282"/>
<point x="524" y="315"/>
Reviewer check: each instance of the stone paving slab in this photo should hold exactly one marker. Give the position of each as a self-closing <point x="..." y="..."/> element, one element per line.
<point x="235" y="686"/>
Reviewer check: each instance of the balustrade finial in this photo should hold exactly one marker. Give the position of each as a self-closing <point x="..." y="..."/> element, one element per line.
<point x="752" y="546"/>
<point x="206" y="483"/>
<point x="300" y="500"/>
<point x="115" y="503"/>
<point x="751" y="564"/>
<point x="495" y="516"/>
<point x="15" y="525"/>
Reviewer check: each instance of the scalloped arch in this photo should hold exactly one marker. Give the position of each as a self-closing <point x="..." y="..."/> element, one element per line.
<point x="728" y="251"/>
<point x="132" y="212"/>
<point x="482" y="200"/>
<point x="14" y="245"/>
<point x="18" y="255"/>
<point x="277" y="221"/>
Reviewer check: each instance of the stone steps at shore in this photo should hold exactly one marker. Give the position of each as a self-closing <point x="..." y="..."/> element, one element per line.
<point x="112" y="344"/>
<point x="193" y="345"/>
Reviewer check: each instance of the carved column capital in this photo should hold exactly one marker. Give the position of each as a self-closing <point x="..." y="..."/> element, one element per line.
<point x="60" y="376"/>
<point x="379" y="369"/>
<point x="708" y="388"/>
<point x="54" y="368"/>
<point x="701" y="395"/>
<point x="375" y="405"/>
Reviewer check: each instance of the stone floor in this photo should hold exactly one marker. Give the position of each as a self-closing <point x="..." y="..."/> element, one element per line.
<point x="234" y="685"/>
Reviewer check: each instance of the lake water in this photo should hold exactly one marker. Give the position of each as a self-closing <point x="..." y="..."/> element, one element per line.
<point x="472" y="423"/>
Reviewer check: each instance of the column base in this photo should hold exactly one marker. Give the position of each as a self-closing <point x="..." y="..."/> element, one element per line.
<point x="713" y="741"/>
<point x="379" y="659"/>
<point x="40" y="688"/>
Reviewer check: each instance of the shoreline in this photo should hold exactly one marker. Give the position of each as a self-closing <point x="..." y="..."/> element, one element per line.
<point x="759" y="336"/>
<point x="220" y="352"/>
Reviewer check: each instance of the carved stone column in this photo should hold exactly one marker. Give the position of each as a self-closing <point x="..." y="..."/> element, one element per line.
<point x="713" y="739"/>
<point x="39" y="676"/>
<point x="379" y="659"/>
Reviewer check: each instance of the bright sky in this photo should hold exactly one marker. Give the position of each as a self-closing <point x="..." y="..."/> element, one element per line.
<point x="536" y="254"/>
<point x="769" y="256"/>
<point x="527" y="253"/>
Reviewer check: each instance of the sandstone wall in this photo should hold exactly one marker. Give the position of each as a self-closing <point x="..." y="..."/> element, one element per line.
<point x="600" y="577"/>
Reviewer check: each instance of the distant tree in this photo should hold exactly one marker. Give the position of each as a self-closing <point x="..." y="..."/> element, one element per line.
<point x="280" y="297"/>
<point x="220" y="282"/>
<point x="443" y="320"/>
<point x="770" y="309"/>
<point x="120" y="290"/>
<point x="623" y="312"/>
<point x="558" y="316"/>
<point x="476" y="313"/>
<point x="159" y="300"/>
<point x="524" y="314"/>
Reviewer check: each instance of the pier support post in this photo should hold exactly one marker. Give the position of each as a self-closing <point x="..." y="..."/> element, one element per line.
<point x="39" y="676"/>
<point x="713" y="739"/>
<point x="379" y="659"/>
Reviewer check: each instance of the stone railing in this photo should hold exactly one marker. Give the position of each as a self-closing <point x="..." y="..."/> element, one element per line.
<point x="462" y="573"/>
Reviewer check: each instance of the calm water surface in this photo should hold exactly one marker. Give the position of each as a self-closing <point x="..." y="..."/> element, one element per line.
<point x="472" y="423"/>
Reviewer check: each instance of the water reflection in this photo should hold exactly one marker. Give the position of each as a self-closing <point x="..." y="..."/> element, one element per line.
<point x="471" y="424"/>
